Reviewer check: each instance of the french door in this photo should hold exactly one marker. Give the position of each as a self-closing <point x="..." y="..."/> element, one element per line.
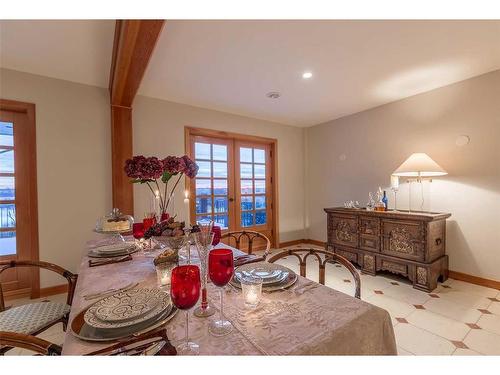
<point x="18" y="209"/>
<point x="234" y="185"/>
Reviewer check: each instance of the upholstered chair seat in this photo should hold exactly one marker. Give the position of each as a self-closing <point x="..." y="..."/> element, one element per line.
<point x="32" y="317"/>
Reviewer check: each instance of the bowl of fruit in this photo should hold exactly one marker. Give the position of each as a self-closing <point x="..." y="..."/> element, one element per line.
<point x="169" y="234"/>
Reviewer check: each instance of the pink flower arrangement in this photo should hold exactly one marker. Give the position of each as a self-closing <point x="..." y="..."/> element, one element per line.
<point x="147" y="170"/>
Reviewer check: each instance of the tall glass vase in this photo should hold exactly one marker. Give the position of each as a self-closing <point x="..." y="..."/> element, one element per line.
<point x="203" y="241"/>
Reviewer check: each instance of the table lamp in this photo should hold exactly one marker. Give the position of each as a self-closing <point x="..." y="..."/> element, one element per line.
<point x="419" y="166"/>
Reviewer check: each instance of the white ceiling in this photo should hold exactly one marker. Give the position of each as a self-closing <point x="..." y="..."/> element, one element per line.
<point x="77" y="51"/>
<point x="231" y="65"/>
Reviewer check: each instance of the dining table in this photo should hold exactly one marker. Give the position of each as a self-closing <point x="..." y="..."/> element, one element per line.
<point x="306" y="319"/>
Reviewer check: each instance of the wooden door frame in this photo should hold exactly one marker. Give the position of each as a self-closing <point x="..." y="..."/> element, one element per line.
<point x="29" y="110"/>
<point x="273" y="144"/>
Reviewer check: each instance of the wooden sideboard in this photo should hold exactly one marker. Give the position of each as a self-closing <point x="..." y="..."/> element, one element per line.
<point x="408" y="244"/>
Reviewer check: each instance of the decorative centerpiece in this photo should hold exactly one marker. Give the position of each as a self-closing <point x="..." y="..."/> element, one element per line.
<point x="169" y="233"/>
<point x="153" y="171"/>
<point x="172" y="236"/>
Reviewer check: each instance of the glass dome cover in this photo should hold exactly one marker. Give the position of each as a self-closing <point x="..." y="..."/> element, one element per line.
<point x="115" y="222"/>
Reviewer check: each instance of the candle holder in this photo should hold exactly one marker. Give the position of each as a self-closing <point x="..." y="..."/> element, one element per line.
<point x="251" y="288"/>
<point x="163" y="274"/>
<point x="164" y="265"/>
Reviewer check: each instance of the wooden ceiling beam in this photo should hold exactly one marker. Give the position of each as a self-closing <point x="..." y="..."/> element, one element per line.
<point x="133" y="46"/>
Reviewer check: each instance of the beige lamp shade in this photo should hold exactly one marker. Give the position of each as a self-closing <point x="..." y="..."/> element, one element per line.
<point x="419" y="165"/>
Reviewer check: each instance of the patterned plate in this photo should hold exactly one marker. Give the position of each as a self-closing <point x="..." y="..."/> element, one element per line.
<point x="270" y="273"/>
<point x="127" y="305"/>
<point x="127" y="308"/>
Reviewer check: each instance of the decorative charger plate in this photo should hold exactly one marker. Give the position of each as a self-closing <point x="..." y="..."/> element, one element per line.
<point x="270" y="273"/>
<point x="83" y="331"/>
<point x="127" y="308"/>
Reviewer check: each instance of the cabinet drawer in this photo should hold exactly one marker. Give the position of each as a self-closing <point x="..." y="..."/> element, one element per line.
<point x="343" y="230"/>
<point x="370" y="243"/>
<point x="403" y="239"/>
<point x="369" y="226"/>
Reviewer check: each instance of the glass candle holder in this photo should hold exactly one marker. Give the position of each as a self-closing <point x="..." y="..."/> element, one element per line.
<point x="251" y="288"/>
<point x="163" y="274"/>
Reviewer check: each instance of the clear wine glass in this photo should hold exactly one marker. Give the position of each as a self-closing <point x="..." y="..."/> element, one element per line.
<point x="203" y="240"/>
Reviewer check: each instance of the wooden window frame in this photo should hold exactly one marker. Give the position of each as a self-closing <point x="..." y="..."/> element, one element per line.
<point x="31" y="217"/>
<point x="273" y="144"/>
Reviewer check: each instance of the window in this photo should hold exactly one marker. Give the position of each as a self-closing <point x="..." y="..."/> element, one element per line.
<point x="7" y="190"/>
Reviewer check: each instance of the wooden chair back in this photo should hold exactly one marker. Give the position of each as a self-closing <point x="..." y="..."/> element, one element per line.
<point x="33" y="343"/>
<point x="303" y="254"/>
<point x="71" y="278"/>
<point x="248" y="237"/>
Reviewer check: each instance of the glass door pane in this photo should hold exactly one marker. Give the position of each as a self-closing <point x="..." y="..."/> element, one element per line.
<point x="253" y="184"/>
<point x="212" y="186"/>
<point x="7" y="190"/>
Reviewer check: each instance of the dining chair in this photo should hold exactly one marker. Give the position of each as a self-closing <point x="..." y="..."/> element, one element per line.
<point x="250" y="236"/>
<point x="329" y="257"/>
<point x="34" y="318"/>
<point x="33" y="343"/>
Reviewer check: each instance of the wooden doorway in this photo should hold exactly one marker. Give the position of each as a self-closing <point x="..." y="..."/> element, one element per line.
<point x="236" y="185"/>
<point x="18" y="197"/>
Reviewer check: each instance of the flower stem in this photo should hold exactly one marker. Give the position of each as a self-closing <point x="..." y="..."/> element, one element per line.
<point x="152" y="191"/>
<point x="173" y="189"/>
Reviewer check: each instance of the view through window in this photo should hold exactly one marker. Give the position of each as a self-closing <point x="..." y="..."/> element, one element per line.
<point x="7" y="190"/>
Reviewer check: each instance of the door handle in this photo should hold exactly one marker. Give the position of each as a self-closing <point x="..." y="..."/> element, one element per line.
<point x="231" y="199"/>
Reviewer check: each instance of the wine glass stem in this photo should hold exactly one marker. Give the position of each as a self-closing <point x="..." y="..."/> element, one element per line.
<point x="221" y="304"/>
<point x="204" y="302"/>
<point x="187" y="327"/>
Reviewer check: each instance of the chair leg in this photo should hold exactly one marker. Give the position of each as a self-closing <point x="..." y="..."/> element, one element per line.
<point x="303" y="269"/>
<point x="5" y="349"/>
<point x="65" y="322"/>
<point x="322" y="274"/>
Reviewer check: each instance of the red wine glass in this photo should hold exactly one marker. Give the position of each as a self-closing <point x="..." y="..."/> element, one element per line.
<point x="148" y="222"/>
<point x="220" y="270"/>
<point x="185" y="291"/>
<point x="138" y="230"/>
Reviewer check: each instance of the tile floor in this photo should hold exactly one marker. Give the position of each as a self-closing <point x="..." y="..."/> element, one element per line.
<point x="458" y="318"/>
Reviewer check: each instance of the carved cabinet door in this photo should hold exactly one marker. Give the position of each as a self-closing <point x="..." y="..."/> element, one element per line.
<point x="343" y="230"/>
<point x="403" y="239"/>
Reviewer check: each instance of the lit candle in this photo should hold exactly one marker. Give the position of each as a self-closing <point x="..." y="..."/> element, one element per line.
<point x="394" y="182"/>
<point x="163" y="272"/>
<point x="251" y="288"/>
<point x="186" y="203"/>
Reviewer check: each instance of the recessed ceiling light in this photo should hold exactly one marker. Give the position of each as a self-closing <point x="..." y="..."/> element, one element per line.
<point x="307" y="75"/>
<point x="273" y="95"/>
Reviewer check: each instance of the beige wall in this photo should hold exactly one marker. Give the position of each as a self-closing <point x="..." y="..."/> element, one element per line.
<point x="376" y="141"/>
<point x="73" y="158"/>
<point x="73" y="161"/>
<point x="159" y="130"/>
